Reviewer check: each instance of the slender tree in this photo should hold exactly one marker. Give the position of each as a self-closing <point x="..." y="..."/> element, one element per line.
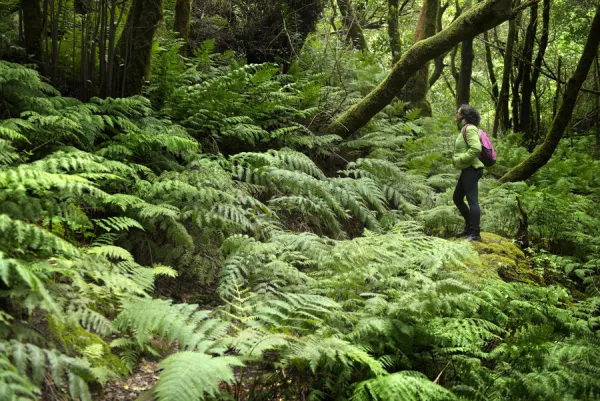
<point x="556" y="100"/>
<point x="135" y="46"/>
<point x="355" y="35"/>
<point x="517" y="78"/>
<point x="463" y="86"/>
<point x="502" y="116"/>
<point x="415" y="91"/>
<point x="544" y="152"/>
<point x="463" y="89"/>
<point x="181" y="25"/>
<point x="490" y="67"/>
<point x="478" y="19"/>
<point x="525" y="121"/>
<point x="33" y="28"/>
<point x="392" y="28"/>
<point x="438" y="62"/>
<point x="535" y="126"/>
<point x="597" y="120"/>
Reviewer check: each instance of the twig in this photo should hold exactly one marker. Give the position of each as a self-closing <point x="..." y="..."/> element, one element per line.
<point x="437" y="379"/>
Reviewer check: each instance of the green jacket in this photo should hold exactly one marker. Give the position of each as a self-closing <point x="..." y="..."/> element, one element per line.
<point x="466" y="155"/>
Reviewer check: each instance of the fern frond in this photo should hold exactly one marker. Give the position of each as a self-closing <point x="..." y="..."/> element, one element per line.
<point x="192" y="376"/>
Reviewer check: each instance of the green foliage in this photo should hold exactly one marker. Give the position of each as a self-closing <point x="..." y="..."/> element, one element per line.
<point x="401" y="386"/>
<point x="18" y="359"/>
<point x="326" y="283"/>
<point x="200" y="374"/>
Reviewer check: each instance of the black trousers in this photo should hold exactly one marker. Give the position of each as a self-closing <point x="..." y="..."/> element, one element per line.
<point x="467" y="185"/>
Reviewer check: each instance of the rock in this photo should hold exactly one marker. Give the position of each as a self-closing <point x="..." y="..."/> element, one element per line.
<point x="501" y="257"/>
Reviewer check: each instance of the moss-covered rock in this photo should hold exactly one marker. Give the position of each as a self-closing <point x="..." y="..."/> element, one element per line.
<point x="500" y="257"/>
<point x="75" y="340"/>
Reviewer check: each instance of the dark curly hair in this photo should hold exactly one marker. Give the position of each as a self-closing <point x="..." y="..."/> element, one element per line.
<point x="470" y="115"/>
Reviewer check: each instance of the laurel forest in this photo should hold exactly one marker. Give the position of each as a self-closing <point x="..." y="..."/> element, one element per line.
<point x="255" y="200"/>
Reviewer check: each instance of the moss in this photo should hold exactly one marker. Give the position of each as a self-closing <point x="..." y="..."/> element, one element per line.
<point x="498" y="245"/>
<point x="500" y="257"/>
<point x="75" y="340"/>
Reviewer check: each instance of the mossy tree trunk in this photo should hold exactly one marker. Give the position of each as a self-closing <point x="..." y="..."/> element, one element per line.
<point x="480" y="18"/>
<point x="415" y="90"/>
<point x="543" y="153"/>
<point x="134" y="49"/>
<point x="534" y="127"/>
<point x="181" y="24"/>
<point x="527" y="85"/>
<point x="33" y="27"/>
<point x="438" y="62"/>
<point x="502" y="116"/>
<point x="490" y="67"/>
<point x="356" y="36"/>
<point x="597" y="124"/>
<point x="463" y="88"/>
<point x="393" y="32"/>
<point x="517" y="79"/>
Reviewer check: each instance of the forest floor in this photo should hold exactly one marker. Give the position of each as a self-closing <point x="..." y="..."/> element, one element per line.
<point x="498" y="257"/>
<point x="135" y="386"/>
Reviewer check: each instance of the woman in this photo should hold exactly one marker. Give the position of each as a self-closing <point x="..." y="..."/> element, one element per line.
<point x="466" y="151"/>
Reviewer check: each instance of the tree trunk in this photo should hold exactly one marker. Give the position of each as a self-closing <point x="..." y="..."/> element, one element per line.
<point x="355" y="35"/>
<point x="415" y="91"/>
<point x="392" y="28"/>
<point x="543" y="153"/>
<point x="463" y="89"/>
<point x="490" y="67"/>
<point x="55" y="21"/>
<point x="538" y="64"/>
<point x="527" y="87"/>
<point x="107" y="84"/>
<point x="558" y="87"/>
<point x="477" y="20"/>
<point x="597" y="123"/>
<point x="439" y="61"/>
<point x="502" y="117"/>
<point x="181" y="25"/>
<point x="33" y="27"/>
<point x="134" y="49"/>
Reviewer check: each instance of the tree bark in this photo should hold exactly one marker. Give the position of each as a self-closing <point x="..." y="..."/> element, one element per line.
<point x="463" y="89"/>
<point x="134" y="48"/>
<point x="558" y="87"/>
<point x="490" y="67"/>
<point x="597" y="124"/>
<point x="543" y="153"/>
<point x="538" y="63"/>
<point x="181" y="25"/>
<point x="355" y="35"/>
<point x="415" y="91"/>
<point x="502" y="117"/>
<point x="525" y="121"/>
<point x="517" y="79"/>
<point x="392" y="28"/>
<point x="477" y="20"/>
<point x="438" y="62"/>
<point x="33" y="27"/>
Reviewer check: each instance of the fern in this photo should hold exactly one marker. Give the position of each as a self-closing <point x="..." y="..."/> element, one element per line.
<point x="401" y="386"/>
<point x="192" y="376"/>
<point x="40" y="361"/>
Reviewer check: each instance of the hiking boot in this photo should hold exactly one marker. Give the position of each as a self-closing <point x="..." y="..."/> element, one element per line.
<point x="474" y="237"/>
<point x="464" y="233"/>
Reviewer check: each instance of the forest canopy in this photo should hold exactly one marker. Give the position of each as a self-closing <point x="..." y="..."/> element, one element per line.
<point x="253" y="200"/>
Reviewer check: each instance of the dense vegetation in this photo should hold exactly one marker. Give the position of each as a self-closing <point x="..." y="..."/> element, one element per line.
<point x="220" y="221"/>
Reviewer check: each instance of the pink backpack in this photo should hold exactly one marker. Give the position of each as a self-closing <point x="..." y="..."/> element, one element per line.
<point x="488" y="154"/>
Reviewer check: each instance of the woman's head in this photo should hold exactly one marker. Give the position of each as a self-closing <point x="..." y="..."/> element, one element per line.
<point x="469" y="114"/>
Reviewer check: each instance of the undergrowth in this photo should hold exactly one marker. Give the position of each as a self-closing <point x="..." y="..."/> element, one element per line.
<point x="329" y="284"/>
